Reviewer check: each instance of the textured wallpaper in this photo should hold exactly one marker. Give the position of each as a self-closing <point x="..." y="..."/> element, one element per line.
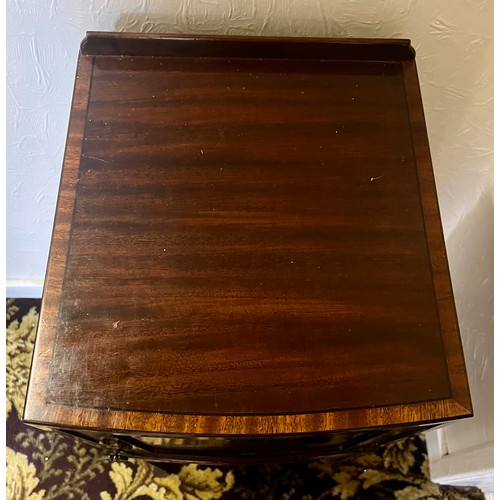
<point x="454" y="43"/>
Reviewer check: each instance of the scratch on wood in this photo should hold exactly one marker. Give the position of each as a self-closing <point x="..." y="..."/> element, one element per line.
<point x="94" y="158"/>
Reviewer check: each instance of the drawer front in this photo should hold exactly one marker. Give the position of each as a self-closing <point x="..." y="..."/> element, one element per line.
<point x="234" y="450"/>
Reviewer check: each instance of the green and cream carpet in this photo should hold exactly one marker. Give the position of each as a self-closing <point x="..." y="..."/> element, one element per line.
<point x="46" y="465"/>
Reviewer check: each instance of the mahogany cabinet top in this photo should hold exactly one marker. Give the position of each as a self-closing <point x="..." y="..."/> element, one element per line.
<point x="247" y="241"/>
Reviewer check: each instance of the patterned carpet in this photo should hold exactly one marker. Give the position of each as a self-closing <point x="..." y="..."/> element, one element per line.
<point x="49" y="466"/>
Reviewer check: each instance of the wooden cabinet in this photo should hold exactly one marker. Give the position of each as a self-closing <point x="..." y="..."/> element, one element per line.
<point x="247" y="258"/>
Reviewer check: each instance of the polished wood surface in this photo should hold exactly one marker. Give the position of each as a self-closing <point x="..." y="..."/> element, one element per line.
<point x="246" y="245"/>
<point x="194" y="46"/>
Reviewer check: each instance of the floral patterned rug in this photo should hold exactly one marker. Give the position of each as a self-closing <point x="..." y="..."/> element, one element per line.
<point x="46" y="465"/>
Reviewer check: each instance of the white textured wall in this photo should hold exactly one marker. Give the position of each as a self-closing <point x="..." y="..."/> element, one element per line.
<point x="454" y="43"/>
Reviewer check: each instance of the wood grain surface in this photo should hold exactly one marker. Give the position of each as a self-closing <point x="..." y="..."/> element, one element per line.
<point x="246" y="246"/>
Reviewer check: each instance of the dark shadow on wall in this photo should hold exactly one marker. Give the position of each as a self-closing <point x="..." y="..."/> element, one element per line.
<point x="470" y="256"/>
